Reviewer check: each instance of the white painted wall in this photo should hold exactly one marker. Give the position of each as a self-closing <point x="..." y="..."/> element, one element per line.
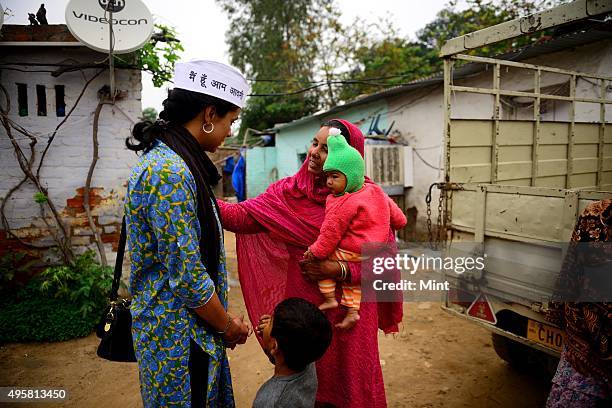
<point x="297" y="138"/>
<point x="67" y="162"/>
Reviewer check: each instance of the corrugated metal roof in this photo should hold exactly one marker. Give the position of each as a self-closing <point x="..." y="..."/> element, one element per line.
<point x="562" y="42"/>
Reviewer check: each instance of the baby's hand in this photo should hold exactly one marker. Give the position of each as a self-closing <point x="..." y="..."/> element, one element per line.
<point x="264" y="320"/>
<point x="308" y="255"/>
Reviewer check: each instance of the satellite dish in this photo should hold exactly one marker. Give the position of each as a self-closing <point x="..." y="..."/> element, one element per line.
<point x="88" y="21"/>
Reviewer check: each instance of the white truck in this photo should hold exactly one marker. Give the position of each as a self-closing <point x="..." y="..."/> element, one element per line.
<point x="514" y="188"/>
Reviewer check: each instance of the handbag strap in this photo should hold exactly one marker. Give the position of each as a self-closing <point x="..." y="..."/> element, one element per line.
<point x="118" y="263"/>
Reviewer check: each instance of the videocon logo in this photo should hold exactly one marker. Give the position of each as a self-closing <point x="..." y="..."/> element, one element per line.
<point x="112" y="5"/>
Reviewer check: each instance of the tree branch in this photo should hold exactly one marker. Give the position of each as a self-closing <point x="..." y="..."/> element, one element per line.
<point x="92" y="166"/>
<point x="26" y="167"/>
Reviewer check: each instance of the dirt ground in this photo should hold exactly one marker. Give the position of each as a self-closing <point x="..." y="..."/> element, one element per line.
<point x="435" y="361"/>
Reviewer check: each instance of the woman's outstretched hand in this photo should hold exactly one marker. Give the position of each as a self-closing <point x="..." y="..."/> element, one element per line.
<point x="237" y="333"/>
<point x="316" y="270"/>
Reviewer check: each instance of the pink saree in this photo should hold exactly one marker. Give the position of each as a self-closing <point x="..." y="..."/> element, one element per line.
<point x="273" y="231"/>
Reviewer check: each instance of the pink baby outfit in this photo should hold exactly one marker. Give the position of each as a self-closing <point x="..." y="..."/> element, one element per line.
<point x="272" y="232"/>
<point x="351" y="220"/>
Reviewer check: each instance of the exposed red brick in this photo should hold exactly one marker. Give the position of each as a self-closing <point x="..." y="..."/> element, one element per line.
<point x="110" y="238"/>
<point x="93" y="191"/>
<point x="45" y="33"/>
<point x="76" y="203"/>
<point x="11" y="245"/>
<point x="75" y="221"/>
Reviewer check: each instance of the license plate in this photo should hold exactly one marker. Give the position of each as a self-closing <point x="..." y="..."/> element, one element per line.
<point x="546" y="335"/>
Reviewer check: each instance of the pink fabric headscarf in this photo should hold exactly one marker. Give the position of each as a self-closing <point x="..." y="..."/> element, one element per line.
<point x="292" y="211"/>
<point x="272" y="232"/>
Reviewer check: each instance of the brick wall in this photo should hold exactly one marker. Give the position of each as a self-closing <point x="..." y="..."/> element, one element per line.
<point x="65" y="168"/>
<point x="44" y="33"/>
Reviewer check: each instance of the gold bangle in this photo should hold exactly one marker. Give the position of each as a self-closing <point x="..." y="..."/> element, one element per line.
<point x="342" y="271"/>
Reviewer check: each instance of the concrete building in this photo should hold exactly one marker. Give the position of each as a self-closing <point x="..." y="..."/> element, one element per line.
<point x="416" y="110"/>
<point x="43" y="71"/>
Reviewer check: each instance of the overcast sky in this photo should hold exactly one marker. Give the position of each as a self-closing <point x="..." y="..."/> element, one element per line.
<point x="201" y="24"/>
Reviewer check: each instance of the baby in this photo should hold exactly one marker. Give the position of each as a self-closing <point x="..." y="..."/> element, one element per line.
<point x="355" y="213"/>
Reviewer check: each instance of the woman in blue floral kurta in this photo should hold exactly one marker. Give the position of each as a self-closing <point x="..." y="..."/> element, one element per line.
<point x="179" y="304"/>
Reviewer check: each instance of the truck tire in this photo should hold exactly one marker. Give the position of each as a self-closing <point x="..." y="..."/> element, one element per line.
<point x="523" y="358"/>
<point x="512" y="352"/>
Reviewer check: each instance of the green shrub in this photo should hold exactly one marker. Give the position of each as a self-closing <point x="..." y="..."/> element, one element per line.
<point x="63" y="302"/>
<point x="41" y="318"/>
<point x="12" y="265"/>
<point x="85" y="282"/>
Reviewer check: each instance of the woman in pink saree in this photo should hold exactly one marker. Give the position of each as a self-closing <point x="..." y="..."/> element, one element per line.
<point x="272" y="232"/>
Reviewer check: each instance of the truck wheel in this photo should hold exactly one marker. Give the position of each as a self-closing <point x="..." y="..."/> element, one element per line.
<point x="513" y="352"/>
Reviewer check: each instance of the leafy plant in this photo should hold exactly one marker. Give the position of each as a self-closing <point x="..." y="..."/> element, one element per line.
<point x="301" y="59"/>
<point x="159" y="55"/>
<point x="61" y="303"/>
<point x="84" y="283"/>
<point x="276" y="43"/>
<point x="35" y="317"/>
<point x="12" y="264"/>
<point x="156" y="57"/>
<point x="451" y="22"/>
<point x="40" y="198"/>
<point x="149" y="114"/>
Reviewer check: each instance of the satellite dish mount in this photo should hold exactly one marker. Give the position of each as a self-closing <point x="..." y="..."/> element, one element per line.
<point x="110" y="26"/>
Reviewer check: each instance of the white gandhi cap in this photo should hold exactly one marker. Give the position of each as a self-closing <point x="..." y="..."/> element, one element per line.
<point x="212" y="78"/>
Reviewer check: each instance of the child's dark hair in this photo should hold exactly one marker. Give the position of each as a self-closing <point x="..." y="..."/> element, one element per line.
<point x="180" y="107"/>
<point x="339" y="125"/>
<point x="302" y="332"/>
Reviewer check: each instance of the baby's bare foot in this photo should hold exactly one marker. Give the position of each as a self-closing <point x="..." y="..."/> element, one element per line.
<point x="350" y="320"/>
<point x="329" y="304"/>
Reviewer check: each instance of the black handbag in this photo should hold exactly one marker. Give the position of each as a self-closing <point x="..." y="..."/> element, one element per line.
<point x="115" y="327"/>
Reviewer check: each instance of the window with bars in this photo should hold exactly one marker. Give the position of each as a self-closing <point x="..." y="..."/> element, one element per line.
<point x="60" y="101"/>
<point x="41" y="100"/>
<point x="22" y="99"/>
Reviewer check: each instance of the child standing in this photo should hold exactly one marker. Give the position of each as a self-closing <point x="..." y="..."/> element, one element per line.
<point x="294" y="337"/>
<point x="355" y="213"/>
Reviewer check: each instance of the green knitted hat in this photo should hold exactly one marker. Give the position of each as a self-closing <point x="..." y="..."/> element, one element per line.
<point x="346" y="159"/>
